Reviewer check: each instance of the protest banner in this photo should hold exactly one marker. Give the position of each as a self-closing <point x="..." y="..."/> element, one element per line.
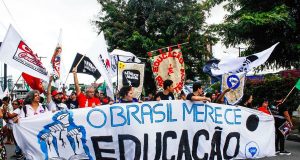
<point x="16" y="53"/>
<point x="131" y="74"/>
<point x="169" y="65"/>
<point x="154" y="130"/>
<point x="242" y="64"/>
<point x="236" y="82"/>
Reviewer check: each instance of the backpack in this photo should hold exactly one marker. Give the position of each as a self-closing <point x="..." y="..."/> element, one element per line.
<point x="25" y="109"/>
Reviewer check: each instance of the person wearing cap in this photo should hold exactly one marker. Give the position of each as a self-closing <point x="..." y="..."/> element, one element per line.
<point x="87" y="100"/>
<point x="197" y="94"/>
<point x="54" y="99"/>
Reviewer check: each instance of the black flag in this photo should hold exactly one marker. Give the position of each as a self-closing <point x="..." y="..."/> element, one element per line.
<point x="86" y="66"/>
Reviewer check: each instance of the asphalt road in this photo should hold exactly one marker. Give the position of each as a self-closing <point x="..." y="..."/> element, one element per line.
<point x="293" y="147"/>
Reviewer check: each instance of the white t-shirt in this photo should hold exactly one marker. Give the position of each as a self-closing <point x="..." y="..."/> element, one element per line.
<point x="16" y="111"/>
<point x="53" y="107"/>
<point x="31" y="112"/>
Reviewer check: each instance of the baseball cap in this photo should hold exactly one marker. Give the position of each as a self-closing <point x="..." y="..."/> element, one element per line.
<point x="55" y="92"/>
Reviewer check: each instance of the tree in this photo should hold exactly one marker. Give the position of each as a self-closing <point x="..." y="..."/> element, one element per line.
<point x="140" y="26"/>
<point x="260" y="24"/>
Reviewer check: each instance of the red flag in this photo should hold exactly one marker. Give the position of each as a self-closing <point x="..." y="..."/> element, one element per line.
<point x="33" y="82"/>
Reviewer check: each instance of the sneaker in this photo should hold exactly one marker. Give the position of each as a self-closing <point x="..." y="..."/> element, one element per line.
<point x="20" y="157"/>
<point x="277" y="151"/>
<point x="284" y="153"/>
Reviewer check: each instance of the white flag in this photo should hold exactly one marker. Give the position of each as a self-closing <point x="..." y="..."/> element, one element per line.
<point x="242" y="64"/>
<point x="102" y="60"/>
<point x="123" y="56"/>
<point x="15" y="52"/>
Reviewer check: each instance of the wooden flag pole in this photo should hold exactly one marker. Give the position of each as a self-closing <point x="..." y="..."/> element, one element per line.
<point x="171" y="46"/>
<point x="288" y="94"/>
<point x="79" y="61"/>
<point x="74" y="67"/>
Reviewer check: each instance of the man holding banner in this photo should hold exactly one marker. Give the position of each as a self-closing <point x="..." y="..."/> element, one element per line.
<point x="197" y="94"/>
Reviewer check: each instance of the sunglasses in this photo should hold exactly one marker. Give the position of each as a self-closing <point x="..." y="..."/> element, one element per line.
<point x="15" y="104"/>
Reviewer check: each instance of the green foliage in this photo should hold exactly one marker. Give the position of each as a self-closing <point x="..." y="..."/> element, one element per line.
<point x="140" y="26"/>
<point x="260" y="24"/>
<point x="274" y="88"/>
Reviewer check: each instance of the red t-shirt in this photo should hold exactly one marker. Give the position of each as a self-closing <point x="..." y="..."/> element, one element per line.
<point x="265" y="110"/>
<point x="83" y="101"/>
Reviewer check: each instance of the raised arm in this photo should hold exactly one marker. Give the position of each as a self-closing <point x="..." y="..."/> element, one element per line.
<point x="220" y="98"/>
<point x="77" y="87"/>
<point x="49" y="97"/>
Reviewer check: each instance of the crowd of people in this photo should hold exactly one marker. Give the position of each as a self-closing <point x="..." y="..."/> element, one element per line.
<point x="34" y="104"/>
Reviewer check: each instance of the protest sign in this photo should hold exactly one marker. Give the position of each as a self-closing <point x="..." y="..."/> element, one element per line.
<point x="169" y="65"/>
<point x="236" y="83"/>
<point x="154" y="130"/>
<point x="131" y="74"/>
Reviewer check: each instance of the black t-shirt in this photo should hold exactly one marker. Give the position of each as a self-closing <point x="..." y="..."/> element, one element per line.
<point x="189" y="96"/>
<point x="170" y="96"/>
<point x="71" y="104"/>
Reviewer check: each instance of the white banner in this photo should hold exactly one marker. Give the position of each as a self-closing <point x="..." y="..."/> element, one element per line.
<point x="154" y="130"/>
<point x="15" y="52"/>
<point x="131" y="74"/>
<point x="102" y="60"/>
<point x="242" y="64"/>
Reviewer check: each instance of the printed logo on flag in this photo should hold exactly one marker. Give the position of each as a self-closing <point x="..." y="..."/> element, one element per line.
<point x="25" y="56"/>
<point x="131" y="78"/>
<point x="89" y="66"/>
<point x="251" y="150"/>
<point x="233" y="82"/>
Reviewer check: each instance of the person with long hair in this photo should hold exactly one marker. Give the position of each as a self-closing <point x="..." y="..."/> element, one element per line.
<point x="32" y="105"/>
<point x="126" y="95"/>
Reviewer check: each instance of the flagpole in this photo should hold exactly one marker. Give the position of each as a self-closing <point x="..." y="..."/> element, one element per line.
<point x="171" y="46"/>
<point x="288" y="94"/>
<point x="14" y="86"/>
<point x="75" y="67"/>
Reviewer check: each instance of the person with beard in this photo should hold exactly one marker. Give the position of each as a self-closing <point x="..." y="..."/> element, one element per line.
<point x="54" y="99"/>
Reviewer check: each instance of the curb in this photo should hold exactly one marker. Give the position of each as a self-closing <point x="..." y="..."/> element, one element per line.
<point x="294" y="137"/>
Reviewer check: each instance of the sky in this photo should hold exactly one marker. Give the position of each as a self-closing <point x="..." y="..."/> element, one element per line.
<point x="39" y="22"/>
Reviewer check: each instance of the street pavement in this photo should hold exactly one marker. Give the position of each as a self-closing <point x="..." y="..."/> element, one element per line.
<point x="291" y="146"/>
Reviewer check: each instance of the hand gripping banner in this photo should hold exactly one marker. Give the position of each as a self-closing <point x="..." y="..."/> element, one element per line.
<point x="169" y="65"/>
<point x="149" y="130"/>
